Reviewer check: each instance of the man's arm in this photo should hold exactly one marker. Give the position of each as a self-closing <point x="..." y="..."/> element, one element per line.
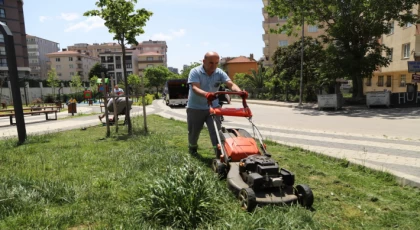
<point x="232" y="86"/>
<point x="197" y="90"/>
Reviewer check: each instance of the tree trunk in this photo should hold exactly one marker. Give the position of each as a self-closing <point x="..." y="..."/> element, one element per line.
<point x="359" y="88"/>
<point x="127" y="106"/>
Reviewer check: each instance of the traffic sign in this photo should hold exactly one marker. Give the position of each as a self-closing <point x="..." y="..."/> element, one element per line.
<point x="413" y="66"/>
<point x="415" y="78"/>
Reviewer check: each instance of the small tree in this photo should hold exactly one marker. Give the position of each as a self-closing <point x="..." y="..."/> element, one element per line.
<point x="126" y="23"/>
<point x="157" y="76"/>
<point x="53" y="81"/>
<point x="76" y="84"/>
<point x="94" y="85"/>
<point x="96" y="70"/>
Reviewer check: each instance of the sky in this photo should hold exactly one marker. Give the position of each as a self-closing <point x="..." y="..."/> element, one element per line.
<point x="190" y="27"/>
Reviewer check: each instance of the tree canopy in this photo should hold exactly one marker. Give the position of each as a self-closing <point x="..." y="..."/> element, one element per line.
<point x="157" y="76"/>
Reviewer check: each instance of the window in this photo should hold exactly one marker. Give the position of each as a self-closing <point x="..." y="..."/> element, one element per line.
<point x="1" y="38"/>
<point x="70" y="58"/>
<point x="57" y="59"/>
<point x="2" y="51"/>
<point x="388" y="81"/>
<point x="391" y="27"/>
<point x="283" y="43"/>
<point x="71" y="66"/>
<point x="149" y="65"/>
<point x="118" y="66"/>
<point x="110" y="67"/>
<point x="2" y="13"/>
<point x="118" y="58"/>
<point x="129" y="72"/>
<point x="391" y="51"/>
<point x="160" y="58"/>
<point x="312" y="29"/>
<point x="59" y="74"/>
<point x="71" y="74"/>
<point x="58" y="67"/>
<point x="380" y="81"/>
<point x="369" y="81"/>
<point x="1" y="2"/>
<point x="3" y="62"/>
<point x="119" y="74"/>
<point x="129" y="66"/>
<point x="149" y="58"/>
<point x="406" y="50"/>
<point x="403" y="80"/>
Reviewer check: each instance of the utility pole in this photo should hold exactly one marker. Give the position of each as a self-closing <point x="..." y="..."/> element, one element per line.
<point x="14" y="81"/>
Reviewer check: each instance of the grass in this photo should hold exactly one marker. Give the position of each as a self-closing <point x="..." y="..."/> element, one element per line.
<point x="81" y="180"/>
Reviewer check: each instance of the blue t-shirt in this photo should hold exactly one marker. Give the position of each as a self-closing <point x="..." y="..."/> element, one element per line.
<point x="207" y="83"/>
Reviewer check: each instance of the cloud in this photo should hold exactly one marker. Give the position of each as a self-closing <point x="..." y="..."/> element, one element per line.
<point x="68" y="16"/>
<point x="44" y="18"/>
<point x="87" y="25"/>
<point x="169" y="36"/>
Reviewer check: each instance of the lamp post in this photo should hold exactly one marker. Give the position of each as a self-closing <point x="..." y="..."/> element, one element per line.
<point x="13" y="77"/>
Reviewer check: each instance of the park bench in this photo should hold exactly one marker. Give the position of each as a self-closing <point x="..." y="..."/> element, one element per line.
<point x="46" y="112"/>
<point x="38" y="108"/>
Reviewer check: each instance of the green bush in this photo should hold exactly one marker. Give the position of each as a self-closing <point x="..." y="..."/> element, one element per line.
<point x="148" y="100"/>
<point x="185" y="198"/>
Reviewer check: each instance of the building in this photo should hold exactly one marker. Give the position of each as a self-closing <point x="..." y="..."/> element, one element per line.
<point x="112" y="60"/>
<point x="173" y="70"/>
<point x="240" y="64"/>
<point x="150" y="59"/>
<point x="39" y="47"/>
<point x="273" y="41"/>
<point x="95" y="49"/>
<point x="158" y="47"/>
<point x="70" y="63"/>
<point x="11" y="13"/>
<point x="404" y="43"/>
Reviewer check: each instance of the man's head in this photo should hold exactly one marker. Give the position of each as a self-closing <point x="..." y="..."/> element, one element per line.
<point x="116" y="87"/>
<point x="211" y="61"/>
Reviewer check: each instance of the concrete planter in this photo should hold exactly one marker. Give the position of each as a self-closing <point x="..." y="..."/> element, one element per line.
<point x="378" y="98"/>
<point x="330" y="101"/>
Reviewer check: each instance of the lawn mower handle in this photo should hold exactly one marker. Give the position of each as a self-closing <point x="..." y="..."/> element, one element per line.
<point x="244" y="112"/>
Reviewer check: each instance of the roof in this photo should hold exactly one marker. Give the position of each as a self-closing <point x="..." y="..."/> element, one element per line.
<point x="240" y="59"/>
<point x="150" y="54"/>
<point x="64" y="53"/>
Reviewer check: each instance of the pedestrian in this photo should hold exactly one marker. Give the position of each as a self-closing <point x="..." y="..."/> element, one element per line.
<point x="203" y="81"/>
<point x="118" y="91"/>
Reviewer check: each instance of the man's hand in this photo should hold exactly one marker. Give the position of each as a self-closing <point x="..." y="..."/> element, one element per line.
<point x="210" y="96"/>
<point x="244" y="94"/>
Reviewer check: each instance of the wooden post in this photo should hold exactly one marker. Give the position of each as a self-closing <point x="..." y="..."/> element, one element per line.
<point x="144" y="105"/>
<point x="108" y="131"/>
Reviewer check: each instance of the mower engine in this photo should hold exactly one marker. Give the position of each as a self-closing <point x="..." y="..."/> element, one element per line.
<point x="262" y="172"/>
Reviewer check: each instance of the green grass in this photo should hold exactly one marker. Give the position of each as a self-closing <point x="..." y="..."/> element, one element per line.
<point x="80" y="180"/>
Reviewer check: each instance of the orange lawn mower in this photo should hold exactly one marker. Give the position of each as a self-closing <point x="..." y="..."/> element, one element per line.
<point x="250" y="171"/>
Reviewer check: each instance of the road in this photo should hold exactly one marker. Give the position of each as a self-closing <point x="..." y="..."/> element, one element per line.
<point x="383" y="139"/>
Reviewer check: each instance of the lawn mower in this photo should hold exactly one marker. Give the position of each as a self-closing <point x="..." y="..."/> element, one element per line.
<point x="250" y="171"/>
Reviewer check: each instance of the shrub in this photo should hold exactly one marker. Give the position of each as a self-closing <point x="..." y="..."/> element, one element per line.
<point x="148" y="100"/>
<point x="185" y="198"/>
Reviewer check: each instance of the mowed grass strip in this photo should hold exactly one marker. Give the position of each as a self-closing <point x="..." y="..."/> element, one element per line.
<point x="81" y="180"/>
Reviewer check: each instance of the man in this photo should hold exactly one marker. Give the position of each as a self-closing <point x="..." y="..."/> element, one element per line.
<point x="204" y="80"/>
<point x="118" y="91"/>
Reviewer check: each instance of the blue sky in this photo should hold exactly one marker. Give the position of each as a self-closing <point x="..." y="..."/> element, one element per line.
<point x="190" y="27"/>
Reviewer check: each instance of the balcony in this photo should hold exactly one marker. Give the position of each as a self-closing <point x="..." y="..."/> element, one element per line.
<point x="266" y="51"/>
<point x="266" y="38"/>
<point x="265" y="14"/>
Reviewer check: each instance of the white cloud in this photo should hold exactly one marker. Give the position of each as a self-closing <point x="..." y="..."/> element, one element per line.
<point x="43" y="18"/>
<point x="169" y="36"/>
<point x="68" y="16"/>
<point x="87" y="25"/>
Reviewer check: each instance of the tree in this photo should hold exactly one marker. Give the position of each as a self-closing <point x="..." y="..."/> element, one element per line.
<point x="53" y="81"/>
<point x="94" y="85"/>
<point x="76" y="84"/>
<point x="157" y="76"/>
<point x="286" y="62"/>
<point x="186" y="72"/>
<point x="135" y="83"/>
<point x="126" y="23"/>
<point x="96" y="70"/>
<point x="354" y="26"/>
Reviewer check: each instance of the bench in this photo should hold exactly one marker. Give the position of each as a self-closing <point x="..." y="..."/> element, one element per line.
<point x="36" y="108"/>
<point x="46" y="112"/>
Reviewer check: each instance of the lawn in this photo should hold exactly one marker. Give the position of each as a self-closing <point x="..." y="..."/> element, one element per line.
<point x="81" y="180"/>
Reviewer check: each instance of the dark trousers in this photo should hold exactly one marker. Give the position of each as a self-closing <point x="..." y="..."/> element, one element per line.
<point x="196" y="119"/>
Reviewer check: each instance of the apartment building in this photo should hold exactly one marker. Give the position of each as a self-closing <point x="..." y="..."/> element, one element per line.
<point x="158" y="47"/>
<point x="96" y="48"/>
<point x="240" y="64"/>
<point x="112" y="60"/>
<point x="70" y="63"/>
<point x="273" y="41"/>
<point x="37" y="50"/>
<point x="404" y="43"/>
<point x="173" y="70"/>
<point x="150" y="59"/>
<point x="11" y="14"/>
